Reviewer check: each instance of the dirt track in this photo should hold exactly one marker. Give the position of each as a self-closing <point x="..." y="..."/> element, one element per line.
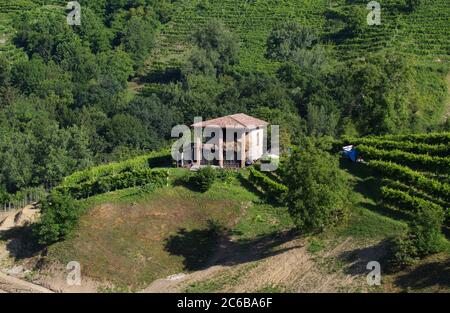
<point x="7" y="221"/>
<point x="14" y="285"/>
<point x="19" y="217"/>
<point x="290" y="268"/>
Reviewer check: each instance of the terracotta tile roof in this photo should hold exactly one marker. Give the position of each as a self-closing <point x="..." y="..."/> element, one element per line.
<point x="239" y="120"/>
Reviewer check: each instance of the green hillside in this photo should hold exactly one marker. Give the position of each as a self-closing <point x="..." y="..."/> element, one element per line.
<point x="87" y="113"/>
<point x="415" y="168"/>
<point x="8" y="11"/>
<point x="252" y="20"/>
<point x="143" y="235"/>
<point x="424" y="32"/>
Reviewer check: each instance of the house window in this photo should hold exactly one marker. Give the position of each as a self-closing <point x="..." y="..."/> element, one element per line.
<point x="257" y="139"/>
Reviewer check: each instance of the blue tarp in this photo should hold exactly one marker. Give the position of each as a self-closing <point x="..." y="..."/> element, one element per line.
<point x="352" y="154"/>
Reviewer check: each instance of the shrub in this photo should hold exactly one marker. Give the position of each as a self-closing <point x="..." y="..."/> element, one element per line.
<point x="426" y="226"/>
<point x="59" y="216"/>
<point x="226" y="176"/>
<point x="422" y="238"/>
<point x="403" y="251"/>
<point x="317" y="189"/>
<point x="148" y="188"/>
<point x="288" y="38"/>
<point x="203" y="179"/>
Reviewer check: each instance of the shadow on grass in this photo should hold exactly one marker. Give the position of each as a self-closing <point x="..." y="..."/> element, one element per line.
<point x="183" y="182"/>
<point x="21" y="243"/>
<point x="259" y="248"/>
<point x="187" y="182"/>
<point x="212" y="246"/>
<point x="356" y="261"/>
<point x="436" y="274"/>
<point x="368" y="184"/>
<point x="247" y="184"/>
<point x="430" y="275"/>
<point x="195" y="246"/>
<point x="386" y="211"/>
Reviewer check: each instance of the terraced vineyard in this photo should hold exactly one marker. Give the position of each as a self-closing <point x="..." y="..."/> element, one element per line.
<point x="252" y="20"/>
<point x="8" y="10"/>
<point x="428" y="30"/>
<point x="121" y="175"/>
<point x="268" y="183"/>
<point x="425" y="32"/>
<point x="415" y="168"/>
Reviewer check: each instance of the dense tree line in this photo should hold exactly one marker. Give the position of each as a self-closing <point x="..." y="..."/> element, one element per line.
<point x="66" y="106"/>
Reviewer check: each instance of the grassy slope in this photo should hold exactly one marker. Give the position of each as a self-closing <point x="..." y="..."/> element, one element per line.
<point x="125" y="236"/>
<point x="372" y="221"/>
<point x="424" y="33"/>
<point x="338" y="253"/>
<point x="130" y="238"/>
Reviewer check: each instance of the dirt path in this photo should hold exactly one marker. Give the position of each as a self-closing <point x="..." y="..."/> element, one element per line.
<point x="11" y="284"/>
<point x="18" y="217"/>
<point x="224" y="246"/>
<point x="10" y="220"/>
<point x="289" y="268"/>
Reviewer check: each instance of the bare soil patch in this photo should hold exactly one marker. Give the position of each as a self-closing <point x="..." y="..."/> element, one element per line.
<point x="341" y="267"/>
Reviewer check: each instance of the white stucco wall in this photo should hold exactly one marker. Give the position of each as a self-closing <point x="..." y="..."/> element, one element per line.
<point x="257" y="144"/>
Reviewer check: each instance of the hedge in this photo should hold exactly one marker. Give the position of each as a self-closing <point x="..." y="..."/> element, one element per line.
<point x="122" y="180"/>
<point x="271" y="188"/>
<point x="403" y="200"/>
<point x="420" y="161"/>
<point x="411" y="177"/>
<point x="440" y="150"/>
<point x="431" y="138"/>
<point x="142" y="162"/>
